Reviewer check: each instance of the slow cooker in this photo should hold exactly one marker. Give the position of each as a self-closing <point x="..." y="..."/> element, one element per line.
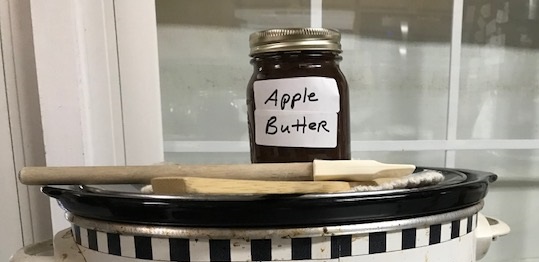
<point x="118" y="223"/>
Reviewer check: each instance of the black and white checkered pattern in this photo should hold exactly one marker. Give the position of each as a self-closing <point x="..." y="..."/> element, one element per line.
<point x="330" y="247"/>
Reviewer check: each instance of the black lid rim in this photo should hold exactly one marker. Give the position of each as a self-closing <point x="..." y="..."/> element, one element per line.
<point x="276" y="211"/>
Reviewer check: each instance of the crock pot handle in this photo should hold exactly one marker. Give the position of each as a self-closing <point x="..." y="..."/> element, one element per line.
<point x="31" y="253"/>
<point x="488" y="230"/>
<point x="64" y="249"/>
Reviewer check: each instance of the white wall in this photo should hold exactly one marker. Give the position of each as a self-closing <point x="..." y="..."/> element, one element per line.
<point x="12" y="233"/>
<point x="25" y="215"/>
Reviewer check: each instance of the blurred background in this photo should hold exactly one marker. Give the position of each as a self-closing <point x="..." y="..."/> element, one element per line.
<point x="418" y="95"/>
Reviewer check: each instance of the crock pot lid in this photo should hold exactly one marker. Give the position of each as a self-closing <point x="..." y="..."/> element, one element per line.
<point x="125" y="203"/>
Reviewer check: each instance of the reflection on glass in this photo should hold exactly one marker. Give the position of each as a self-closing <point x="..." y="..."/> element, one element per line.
<point x="516" y="206"/>
<point x="204" y="62"/>
<point x="208" y="158"/>
<point x="499" y="95"/>
<point x="396" y="60"/>
<point x="513" y="198"/>
<point x="508" y="164"/>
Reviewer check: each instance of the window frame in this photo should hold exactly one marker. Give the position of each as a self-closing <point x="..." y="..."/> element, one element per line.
<point x="87" y="117"/>
<point x="109" y="49"/>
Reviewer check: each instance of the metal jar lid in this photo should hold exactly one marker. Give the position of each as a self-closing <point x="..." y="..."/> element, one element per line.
<point x="292" y="39"/>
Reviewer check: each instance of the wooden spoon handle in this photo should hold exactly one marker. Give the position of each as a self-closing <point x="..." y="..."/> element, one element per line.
<point x="144" y="174"/>
<point x="358" y="170"/>
<point x="343" y="170"/>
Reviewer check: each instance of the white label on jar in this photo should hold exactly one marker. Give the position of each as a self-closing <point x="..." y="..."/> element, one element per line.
<point x="296" y="112"/>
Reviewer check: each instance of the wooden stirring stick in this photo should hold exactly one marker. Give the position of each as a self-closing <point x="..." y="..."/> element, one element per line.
<point x="343" y="170"/>
<point x="197" y="185"/>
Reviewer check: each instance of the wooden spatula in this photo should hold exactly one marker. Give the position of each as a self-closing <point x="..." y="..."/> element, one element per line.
<point x="197" y="185"/>
<point x="319" y="170"/>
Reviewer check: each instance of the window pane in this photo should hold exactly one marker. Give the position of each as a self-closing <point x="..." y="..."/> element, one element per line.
<point x="517" y="206"/>
<point x="419" y="158"/>
<point x="396" y="60"/>
<point x="208" y="158"/>
<point x="499" y="96"/>
<point x="204" y="62"/>
<point x="505" y="163"/>
<point x="513" y="198"/>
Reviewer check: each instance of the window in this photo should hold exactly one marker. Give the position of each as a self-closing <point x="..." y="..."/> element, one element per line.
<point x="436" y="83"/>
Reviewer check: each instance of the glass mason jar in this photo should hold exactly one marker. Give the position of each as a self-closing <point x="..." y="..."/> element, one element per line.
<point x="297" y="98"/>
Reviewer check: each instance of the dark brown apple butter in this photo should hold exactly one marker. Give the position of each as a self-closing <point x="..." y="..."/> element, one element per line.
<point x="297" y="98"/>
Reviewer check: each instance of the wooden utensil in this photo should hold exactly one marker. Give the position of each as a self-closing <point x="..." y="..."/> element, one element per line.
<point x="197" y="185"/>
<point x="319" y="170"/>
